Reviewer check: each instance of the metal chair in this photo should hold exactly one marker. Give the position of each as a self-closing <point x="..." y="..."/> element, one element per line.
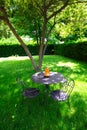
<point x="28" y="92"/>
<point x="64" y="92"/>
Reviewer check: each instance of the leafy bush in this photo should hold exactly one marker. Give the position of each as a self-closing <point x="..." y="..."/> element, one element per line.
<point x="9" y="50"/>
<point x="14" y="41"/>
<point x="75" y="51"/>
<point x="9" y="41"/>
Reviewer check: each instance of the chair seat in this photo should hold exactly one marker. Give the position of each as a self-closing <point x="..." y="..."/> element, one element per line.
<point x="31" y="92"/>
<point x="59" y="95"/>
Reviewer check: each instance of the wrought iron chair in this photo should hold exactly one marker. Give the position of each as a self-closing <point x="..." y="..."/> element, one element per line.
<point x="28" y="92"/>
<point x="64" y="92"/>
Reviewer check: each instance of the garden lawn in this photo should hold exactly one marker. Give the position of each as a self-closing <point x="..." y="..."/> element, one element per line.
<point x="19" y="113"/>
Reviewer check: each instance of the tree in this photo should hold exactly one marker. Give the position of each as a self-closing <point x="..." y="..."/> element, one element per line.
<point x="72" y="22"/>
<point x="47" y="10"/>
<point x="4" y="30"/>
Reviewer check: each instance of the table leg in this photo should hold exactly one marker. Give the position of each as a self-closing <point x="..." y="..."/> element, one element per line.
<point x="46" y="93"/>
<point x="47" y="88"/>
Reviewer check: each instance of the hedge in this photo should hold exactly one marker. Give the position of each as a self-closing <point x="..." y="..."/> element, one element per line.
<point x="9" y="50"/>
<point x="75" y="51"/>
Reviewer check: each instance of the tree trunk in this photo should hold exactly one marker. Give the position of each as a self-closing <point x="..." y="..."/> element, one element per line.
<point x="5" y="18"/>
<point x="42" y="43"/>
<point x="22" y="44"/>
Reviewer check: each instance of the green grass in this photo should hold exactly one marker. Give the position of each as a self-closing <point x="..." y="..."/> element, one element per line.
<point x="19" y="113"/>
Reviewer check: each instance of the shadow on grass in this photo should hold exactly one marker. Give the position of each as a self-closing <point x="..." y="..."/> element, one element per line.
<point x="19" y="113"/>
<point x="66" y="66"/>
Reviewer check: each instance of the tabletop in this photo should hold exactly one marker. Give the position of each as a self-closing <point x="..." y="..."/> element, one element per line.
<point x="54" y="78"/>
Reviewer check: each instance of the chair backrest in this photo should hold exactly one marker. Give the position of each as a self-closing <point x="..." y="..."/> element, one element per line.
<point x="68" y="86"/>
<point x="66" y="70"/>
<point x="21" y="84"/>
<point x="26" y="90"/>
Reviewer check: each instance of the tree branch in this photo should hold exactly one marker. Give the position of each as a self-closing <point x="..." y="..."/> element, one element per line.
<point x="2" y="9"/>
<point x="2" y="18"/>
<point x="18" y="37"/>
<point x="45" y="47"/>
<point x="59" y="10"/>
<point x="78" y="1"/>
<point x="50" y="3"/>
<point x="39" y="6"/>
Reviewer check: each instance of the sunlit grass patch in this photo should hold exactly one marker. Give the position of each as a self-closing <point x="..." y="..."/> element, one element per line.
<point x="19" y="113"/>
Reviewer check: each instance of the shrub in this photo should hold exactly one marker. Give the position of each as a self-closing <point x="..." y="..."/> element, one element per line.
<point x="9" y="50"/>
<point x="75" y="51"/>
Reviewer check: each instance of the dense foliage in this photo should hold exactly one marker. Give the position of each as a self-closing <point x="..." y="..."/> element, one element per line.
<point x="70" y="23"/>
<point x="17" y="50"/>
<point x="76" y="51"/>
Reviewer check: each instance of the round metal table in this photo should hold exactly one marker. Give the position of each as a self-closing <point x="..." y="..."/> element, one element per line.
<point x="54" y="78"/>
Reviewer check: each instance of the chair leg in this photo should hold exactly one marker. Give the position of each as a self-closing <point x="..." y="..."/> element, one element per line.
<point x="29" y="111"/>
<point x="58" y="113"/>
<point x="46" y="94"/>
<point x="68" y="102"/>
